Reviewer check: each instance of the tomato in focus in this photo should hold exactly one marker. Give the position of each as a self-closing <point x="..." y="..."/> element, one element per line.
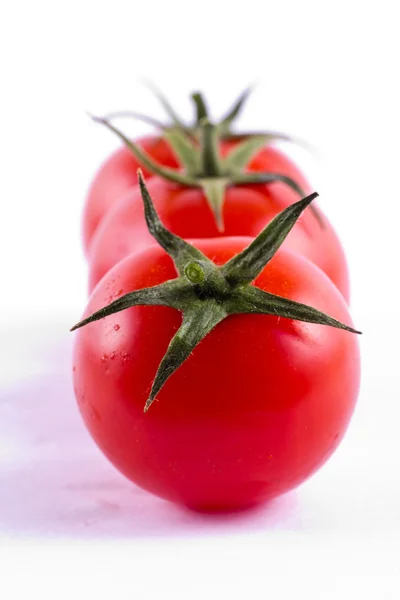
<point x="259" y="405"/>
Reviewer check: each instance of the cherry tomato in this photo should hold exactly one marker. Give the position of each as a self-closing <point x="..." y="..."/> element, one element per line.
<point x="247" y="210"/>
<point x="258" y="406"/>
<point x="116" y="177"/>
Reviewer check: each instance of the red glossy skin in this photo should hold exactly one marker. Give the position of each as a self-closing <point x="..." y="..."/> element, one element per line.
<point x="184" y="211"/>
<point x="116" y="176"/>
<point x="257" y="408"/>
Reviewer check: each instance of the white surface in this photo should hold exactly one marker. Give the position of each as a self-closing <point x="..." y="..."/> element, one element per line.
<point x="69" y="524"/>
<point x="66" y="516"/>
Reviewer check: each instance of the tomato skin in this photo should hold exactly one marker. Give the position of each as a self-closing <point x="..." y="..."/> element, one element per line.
<point x="116" y="176"/>
<point x="184" y="211"/>
<point x="258" y="407"/>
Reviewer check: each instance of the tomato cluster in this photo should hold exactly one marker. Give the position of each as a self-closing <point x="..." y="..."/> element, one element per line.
<point x="216" y="365"/>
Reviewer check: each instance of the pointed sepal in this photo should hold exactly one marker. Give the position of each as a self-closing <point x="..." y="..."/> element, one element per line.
<point x="196" y="324"/>
<point x="180" y="251"/>
<point x="169" y="293"/>
<point x="144" y="159"/>
<point x="244" y="267"/>
<point x="214" y="190"/>
<point x="240" y="156"/>
<point x="123" y="114"/>
<point x="186" y="151"/>
<point x="256" y="178"/>
<point x="252" y="300"/>
<point x="226" y="122"/>
<point x="165" y="103"/>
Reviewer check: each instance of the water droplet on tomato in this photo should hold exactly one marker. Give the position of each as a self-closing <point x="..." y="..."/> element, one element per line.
<point x="94" y="414"/>
<point x="125" y="356"/>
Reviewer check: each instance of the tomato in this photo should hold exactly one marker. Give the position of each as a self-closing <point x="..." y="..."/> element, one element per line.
<point x="259" y="404"/>
<point x="116" y="177"/>
<point x="247" y="209"/>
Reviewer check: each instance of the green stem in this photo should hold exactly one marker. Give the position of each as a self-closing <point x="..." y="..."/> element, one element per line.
<point x="201" y="107"/>
<point x="210" y="157"/>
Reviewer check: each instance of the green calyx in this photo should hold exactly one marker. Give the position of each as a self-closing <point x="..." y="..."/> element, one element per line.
<point x="206" y="294"/>
<point x="203" y="165"/>
<point x="197" y="148"/>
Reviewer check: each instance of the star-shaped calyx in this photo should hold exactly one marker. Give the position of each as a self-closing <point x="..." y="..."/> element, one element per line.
<point x="199" y="153"/>
<point x="206" y="294"/>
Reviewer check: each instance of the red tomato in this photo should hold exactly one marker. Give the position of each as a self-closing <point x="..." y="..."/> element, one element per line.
<point x="247" y="210"/>
<point x="258" y="406"/>
<point x="116" y="177"/>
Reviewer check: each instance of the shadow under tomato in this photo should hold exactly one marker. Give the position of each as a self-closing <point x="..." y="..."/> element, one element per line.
<point x="55" y="482"/>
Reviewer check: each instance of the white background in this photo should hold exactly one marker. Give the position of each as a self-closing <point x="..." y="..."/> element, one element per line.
<point x="327" y="72"/>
